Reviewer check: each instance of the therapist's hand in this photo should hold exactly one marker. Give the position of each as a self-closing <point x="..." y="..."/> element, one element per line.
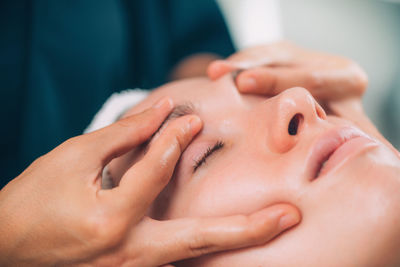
<point x="55" y="212"/>
<point x="270" y="69"/>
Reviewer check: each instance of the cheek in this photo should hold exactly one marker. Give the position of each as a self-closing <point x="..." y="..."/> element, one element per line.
<point x="369" y="182"/>
<point x="350" y="218"/>
<point x="244" y="180"/>
<point x="353" y="212"/>
<point x="232" y="188"/>
<point x="346" y="223"/>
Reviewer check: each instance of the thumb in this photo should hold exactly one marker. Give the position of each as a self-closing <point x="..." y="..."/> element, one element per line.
<point x="125" y="134"/>
<point x="192" y="237"/>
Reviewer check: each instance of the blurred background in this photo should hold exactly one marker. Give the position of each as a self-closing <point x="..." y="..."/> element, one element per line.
<point x="60" y="60"/>
<point x="367" y="31"/>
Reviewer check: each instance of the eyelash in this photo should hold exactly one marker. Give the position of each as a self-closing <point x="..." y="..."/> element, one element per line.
<point x="218" y="145"/>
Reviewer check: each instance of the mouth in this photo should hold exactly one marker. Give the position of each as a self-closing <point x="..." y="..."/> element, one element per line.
<point x="333" y="148"/>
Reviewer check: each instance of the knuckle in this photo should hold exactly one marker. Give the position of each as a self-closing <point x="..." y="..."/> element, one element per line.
<point x="135" y="121"/>
<point x="181" y="141"/>
<point x="170" y="156"/>
<point x="274" y="87"/>
<point x="140" y="128"/>
<point x="128" y="121"/>
<point x="164" y="175"/>
<point x="175" y="145"/>
<point x="315" y="81"/>
<point x="72" y="148"/>
<point x="196" y="249"/>
<point x="103" y="231"/>
<point x="199" y="245"/>
<point x="183" y="134"/>
<point x="129" y="124"/>
<point x="251" y="233"/>
<point x="361" y="82"/>
<point x="124" y="123"/>
<point x="358" y="79"/>
<point x="178" y="137"/>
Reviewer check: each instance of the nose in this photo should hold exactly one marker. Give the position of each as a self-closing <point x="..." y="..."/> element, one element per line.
<point x="289" y="115"/>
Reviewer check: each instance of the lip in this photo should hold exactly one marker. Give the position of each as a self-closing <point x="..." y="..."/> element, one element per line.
<point x="335" y="147"/>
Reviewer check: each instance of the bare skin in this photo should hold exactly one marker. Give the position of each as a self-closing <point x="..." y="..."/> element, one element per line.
<point x="337" y="83"/>
<point x="113" y="222"/>
<point x="271" y="69"/>
<point x="55" y="212"/>
<point x="262" y="163"/>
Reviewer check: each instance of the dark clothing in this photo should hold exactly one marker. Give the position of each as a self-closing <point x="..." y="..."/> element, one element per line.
<point x="60" y="60"/>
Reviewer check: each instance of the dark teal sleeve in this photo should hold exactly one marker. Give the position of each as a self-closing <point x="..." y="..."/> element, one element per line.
<point x="60" y="60"/>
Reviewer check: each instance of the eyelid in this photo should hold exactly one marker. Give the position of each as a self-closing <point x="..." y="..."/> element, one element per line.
<point x="207" y="153"/>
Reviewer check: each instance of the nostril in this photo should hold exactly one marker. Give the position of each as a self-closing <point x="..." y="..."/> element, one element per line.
<point x="294" y="124"/>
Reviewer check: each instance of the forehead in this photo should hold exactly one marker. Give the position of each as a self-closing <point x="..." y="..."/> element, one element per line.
<point x="207" y="96"/>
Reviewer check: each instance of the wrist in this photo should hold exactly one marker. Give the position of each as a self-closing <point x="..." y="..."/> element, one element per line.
<point x="18" y="246"/>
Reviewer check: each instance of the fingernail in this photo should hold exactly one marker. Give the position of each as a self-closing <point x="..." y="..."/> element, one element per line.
<point x="164" y="102"/>
<point x="247" y="84"/>
<point x="195" y="125"/>
<point x="288" y="220"/>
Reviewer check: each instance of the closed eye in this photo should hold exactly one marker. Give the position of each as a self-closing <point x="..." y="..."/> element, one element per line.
<point x="210" y="150"/>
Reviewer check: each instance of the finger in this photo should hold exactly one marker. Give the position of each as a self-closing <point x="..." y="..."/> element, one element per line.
<point x="219" y="68"/>
<point x="186" y="238"/>
<point x="141" y="184"/>
<point x="123" y="135"/>
<point x="323" y="85"/>
<point x="336" y="84"/>
<point x="271" y="81"/>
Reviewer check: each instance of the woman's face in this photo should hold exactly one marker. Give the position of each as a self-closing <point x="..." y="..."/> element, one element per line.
<point x="261" y="151"/>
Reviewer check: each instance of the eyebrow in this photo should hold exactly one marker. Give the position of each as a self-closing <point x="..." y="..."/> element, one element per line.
<point x="178" y="111"/>
<point x="181" y="110"/>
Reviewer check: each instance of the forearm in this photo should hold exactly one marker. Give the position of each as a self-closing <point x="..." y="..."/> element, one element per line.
<point x="8" y="230"/>
<point x="18" y="245"/>
<point x="11" y="241"/>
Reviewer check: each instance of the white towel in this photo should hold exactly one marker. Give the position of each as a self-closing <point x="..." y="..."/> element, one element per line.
<point x="115" y="106"/>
